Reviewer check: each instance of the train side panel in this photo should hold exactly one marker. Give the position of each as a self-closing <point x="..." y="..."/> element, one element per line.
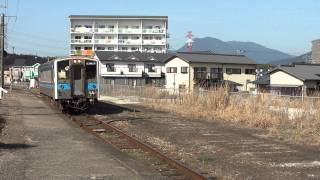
<point x="46" y="79"/>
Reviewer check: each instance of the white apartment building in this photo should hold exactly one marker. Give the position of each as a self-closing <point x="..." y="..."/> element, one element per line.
<point x="90" y="33"/>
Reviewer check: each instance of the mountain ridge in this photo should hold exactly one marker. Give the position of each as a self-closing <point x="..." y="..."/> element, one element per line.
<point x="259" y="53"/>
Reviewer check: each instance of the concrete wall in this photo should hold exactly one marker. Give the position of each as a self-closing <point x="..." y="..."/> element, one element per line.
<point x="283" y="78"/>
<point x="173" y="80"/>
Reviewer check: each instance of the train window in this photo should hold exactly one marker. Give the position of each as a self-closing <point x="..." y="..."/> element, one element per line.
<point x="63" y="70"/>
<point x="91" y="70"/>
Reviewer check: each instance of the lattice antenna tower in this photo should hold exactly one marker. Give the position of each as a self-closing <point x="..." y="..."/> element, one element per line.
<point x="189" y="41"/>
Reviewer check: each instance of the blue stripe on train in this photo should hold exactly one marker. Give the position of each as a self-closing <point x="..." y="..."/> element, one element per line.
<point x="92" y="85"/>
<point x="64" y="86"/>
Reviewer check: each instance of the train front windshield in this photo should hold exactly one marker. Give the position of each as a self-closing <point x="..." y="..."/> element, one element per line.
<point x="91" y="70"/>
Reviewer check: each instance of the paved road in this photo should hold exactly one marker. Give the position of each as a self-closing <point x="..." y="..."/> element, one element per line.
<point x="39" y="143"/>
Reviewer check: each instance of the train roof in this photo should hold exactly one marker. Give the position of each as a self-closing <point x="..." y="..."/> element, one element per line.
<point x="70" y="58"/>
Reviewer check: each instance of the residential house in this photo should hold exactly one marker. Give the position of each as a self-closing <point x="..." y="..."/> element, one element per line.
<point x="131" y="68"/>
<point x="295" y="80"/>
<point x="189" y="70"/>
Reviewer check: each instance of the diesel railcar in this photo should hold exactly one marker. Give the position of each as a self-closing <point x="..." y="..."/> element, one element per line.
<point x="71" y="82"/>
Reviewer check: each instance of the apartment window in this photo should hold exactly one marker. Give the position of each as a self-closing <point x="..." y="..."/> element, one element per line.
<point x="135" y="27"/>
<point x="87" y="37"/>
<point x="146" y="37"/>
<point x="151" y="68"/>
<point x="77" y="48"/>
<point x="200" y="72"/>
<point x="171" y="69"/>
<point x="134" y="49"/>
<point x="126" y="27"/>
<point x="87" y="48"/>
<point x="88" y="26"/>
<point x="102" y="26"/>
<point x="124" y="37"/>
<point x="157" y="27"/>
<point x="111" y="26"/>
<point x="110" y="48"/>
<point x="77" y="37"/>
<point x="184" y="70"/>
<point x="78" y="26"/>
<point x="110" y="67"/>
<point x="110" y="37"/>
<point x="101" y="37"/>
<point x="135" y="37"/>
<point x="158" y="38"/>
<point x="157" y="49"/>
<point x="250" y="71"/>
<point x="233" y="71"/>
<point x="132" y="68"/>
<point x="100" y="48"/>
<point x="147" y="27"/>
<point x="216" y="73"/>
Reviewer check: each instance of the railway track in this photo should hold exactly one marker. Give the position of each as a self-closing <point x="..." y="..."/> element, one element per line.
<point x="122" y="141"/>
<point x="168" y="167"/>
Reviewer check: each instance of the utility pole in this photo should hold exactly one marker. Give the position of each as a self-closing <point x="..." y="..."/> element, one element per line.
<point x="1" y="50"/>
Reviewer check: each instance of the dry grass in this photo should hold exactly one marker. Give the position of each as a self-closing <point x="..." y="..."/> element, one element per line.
<point x="296" y="120"/>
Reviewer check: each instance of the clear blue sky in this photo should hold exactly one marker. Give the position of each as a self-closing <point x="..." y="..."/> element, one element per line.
<point x="42" y="26"/>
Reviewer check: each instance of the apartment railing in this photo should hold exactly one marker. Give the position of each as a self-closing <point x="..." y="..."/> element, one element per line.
<point x="129" y="31"/>
<point x="82" y="30"/>
<point x="153" y="42"/>
<point x="153" y="31"/>
<point x="105" y="30"/>
<point x="105" y="41"/>
<point x="128" y="41"/>
<point x="81" y="41"/>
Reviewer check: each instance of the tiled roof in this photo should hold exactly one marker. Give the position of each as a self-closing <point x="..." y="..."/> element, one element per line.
<point x="132" y="56"/>
<point x="302" y="72"/>
<point x="202" y="57"/>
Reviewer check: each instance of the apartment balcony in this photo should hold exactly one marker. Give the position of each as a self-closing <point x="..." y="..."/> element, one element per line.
<point x="81" y="52"/>
<point x="81" y="41"/>
<point x="129" y="31"/>
<point x="81" y="30"/>
<point x="129" y="42"/>
<point x="105" y="41"/>
<point x="105" y="31"/>
<point x="153" y="42"/>
<point x="153" y="31"/>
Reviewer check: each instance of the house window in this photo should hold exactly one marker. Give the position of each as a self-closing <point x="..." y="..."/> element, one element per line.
<point x="124" y="48"/>
<point x="216" y="73"/>
<point x="171" y="69"/>
<point x="184" y="70"/>
<point x="250" y="71"/>
<point x="102" y="26"/>
<point x="233" y="71"/>
<point x="200" y="72"/>
<point x="132" y="68"/>
<point x="151" y="68"/>
<point x="100" y="48"/>
<point x="110" y="67"/>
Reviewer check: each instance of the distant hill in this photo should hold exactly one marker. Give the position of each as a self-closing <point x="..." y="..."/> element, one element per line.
<point x="22" y="60"/>
<point x="304" y="58"/>
<point x="254" y="51"/>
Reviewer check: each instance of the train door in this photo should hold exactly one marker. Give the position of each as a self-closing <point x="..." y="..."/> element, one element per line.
<point x="78" y="80"/>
